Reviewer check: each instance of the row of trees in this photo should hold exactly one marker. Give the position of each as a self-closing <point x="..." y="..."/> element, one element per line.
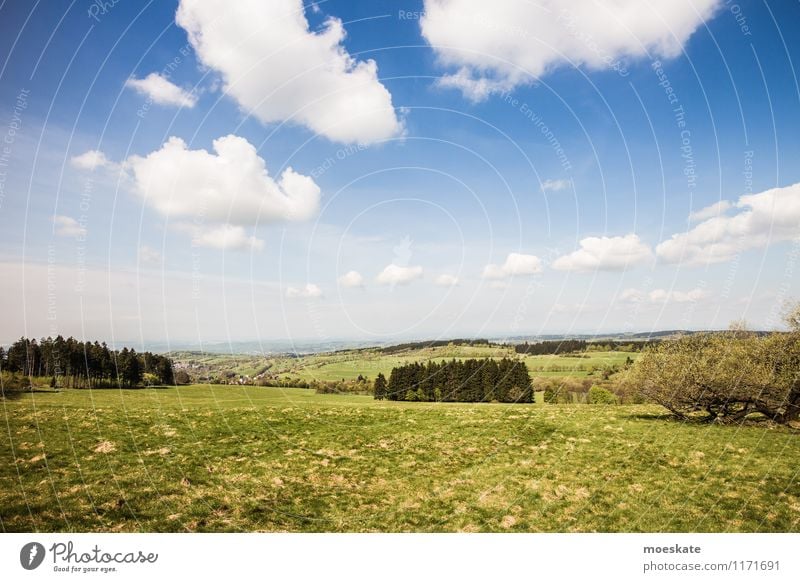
<point x="79" y="364"/>
<point x="551" y="347"/>
<point x="472" y="380"/>
<point x="566" y="346"/>
<point x="435" y="344"/>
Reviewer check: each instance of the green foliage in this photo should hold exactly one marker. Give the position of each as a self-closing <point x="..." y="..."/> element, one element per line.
<point x="340" y="387"/>
<point x="600" y="395"/>
<point x="724" y="376"/>
<point x="380" y="387"/>
<point x="470" y="380"/>
<point x="84" y="364"/>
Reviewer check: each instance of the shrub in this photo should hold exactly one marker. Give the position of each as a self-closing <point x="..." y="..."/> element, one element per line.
<point x="600" y="395"/>
<point x="182" y="377"/>
<point x="724" y="376"/>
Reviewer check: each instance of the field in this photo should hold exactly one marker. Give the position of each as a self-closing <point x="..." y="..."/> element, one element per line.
<point x="229" y="458"/>
<point x="348" y="365"/>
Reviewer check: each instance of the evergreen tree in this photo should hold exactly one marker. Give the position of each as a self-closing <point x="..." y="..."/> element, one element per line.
<point x="380" y="387"/>
<point x="459" y="381"/>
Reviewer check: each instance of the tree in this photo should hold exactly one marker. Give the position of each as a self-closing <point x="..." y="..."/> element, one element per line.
<point x="724" y="376"/>
<point x="791" y="316"/>
<point x="380" y="387"/>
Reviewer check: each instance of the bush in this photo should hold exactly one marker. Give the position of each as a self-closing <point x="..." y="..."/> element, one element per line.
<point x="182" y="377"/>
<point x="600" y="395"/>
<point x="724" y="376"/>
<point x="11" y="382"/>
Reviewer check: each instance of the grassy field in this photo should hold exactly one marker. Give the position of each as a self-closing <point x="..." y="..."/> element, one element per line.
<point x="348" y="365"/>
<point x="225" y="458"/>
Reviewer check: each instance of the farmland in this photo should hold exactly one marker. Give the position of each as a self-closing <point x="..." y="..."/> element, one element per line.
<point x="247" y="458"/>
<point x="348" y="365"/>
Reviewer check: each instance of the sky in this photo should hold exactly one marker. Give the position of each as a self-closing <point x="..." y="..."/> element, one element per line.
<point x="204" y="171"/>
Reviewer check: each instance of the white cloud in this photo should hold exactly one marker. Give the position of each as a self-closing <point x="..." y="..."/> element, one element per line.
<point x="224" y="237"/>
<point x="149" y="255"/>
<point x="351" y="279"/>
<point x="605" y="254"/>
<point x="474" y="89"/>
<point x="516" y="264"/>
<point x="499" y="285"/>
<point x="555" y="185"/>
<point x="397" y="275"/>
<point x="91" y="160"/>
<point x="664" y="296"/>
<point x="279" y="70"/>
<point x="711" y="211"/>
<point x="162" y="91"/>
<point x="229" y="186"/>
<point x="68" y="226"/>
<point x="310" y="291"/>
<point x="765" y="218"/>
<point x="505" y="43"/>
<point x="445" y="280"/>
<point x="632" y="295"/>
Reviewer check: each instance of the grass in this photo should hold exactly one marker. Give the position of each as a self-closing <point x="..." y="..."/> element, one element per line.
<point x="569" y="365"/>
<point x="227" y="458"/>
<point x="367" y="362"/>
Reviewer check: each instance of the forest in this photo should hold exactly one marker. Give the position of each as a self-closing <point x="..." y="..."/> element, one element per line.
<point x="76" y="364"/>
<point x="471" y="380"/>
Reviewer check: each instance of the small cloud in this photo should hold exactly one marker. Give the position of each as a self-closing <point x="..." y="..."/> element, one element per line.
<point x="660" y="295"/>
<point x="309" y="291"/>
<point x="516" y="264"/>
<point x="224" y="237"/>
<point x="91" y="160"/>
<point x="664" y="296"/>
<point x="499" y="285"/>
<point x="446" y="280"/>
<point x="397" y="275"/>
<point x="716" y="209"/>
<point x="162" y="91"/>
<point x="67" y="226"/>
<point x="476" y="89"/>
<point x="555" y="185"/>
<point x="149" y="255"/>
<point x="632" y="295"/>
<point x="605" y="254"/>
<point x="351" y="279"/>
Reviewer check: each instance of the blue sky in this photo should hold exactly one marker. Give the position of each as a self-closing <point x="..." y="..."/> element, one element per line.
<point x="479" y="137"/>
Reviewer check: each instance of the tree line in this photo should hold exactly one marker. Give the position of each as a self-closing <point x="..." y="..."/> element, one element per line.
<point x="408" y="346"/>
<point x="552" y="347"/>
<point x="472" y="380"/>
<point x="73" y="363"/>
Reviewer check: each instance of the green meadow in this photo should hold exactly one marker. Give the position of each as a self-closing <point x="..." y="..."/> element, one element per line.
<point x="230" y="458"/>
<point x="348" y="365"/>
